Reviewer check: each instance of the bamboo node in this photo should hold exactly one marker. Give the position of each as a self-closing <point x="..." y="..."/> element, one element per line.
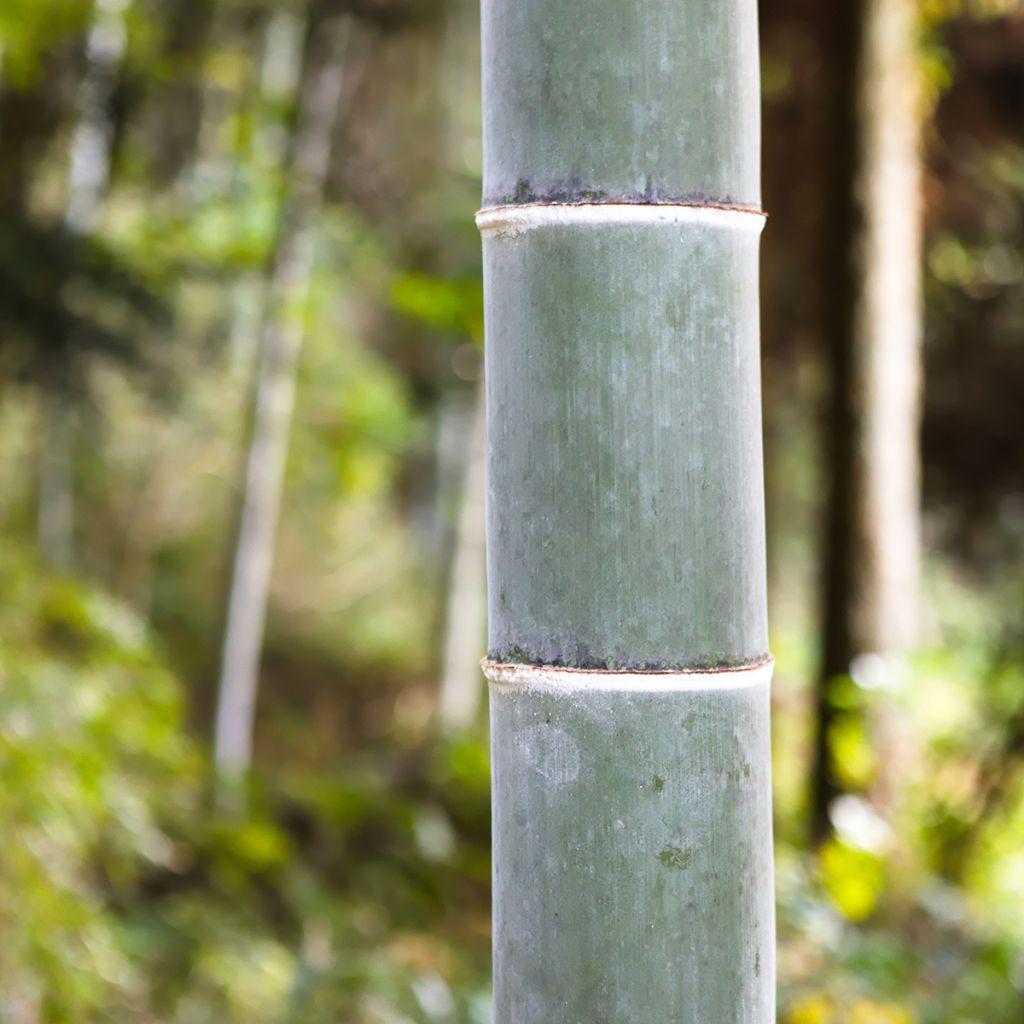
<point x="511" y="221"/>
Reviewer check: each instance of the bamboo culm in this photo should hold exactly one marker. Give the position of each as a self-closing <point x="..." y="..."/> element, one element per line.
<point x="628" y="655"/>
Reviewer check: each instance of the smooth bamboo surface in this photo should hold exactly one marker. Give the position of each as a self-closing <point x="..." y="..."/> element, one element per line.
<point x="625" y="514"/>
<point x="625" y="492"/>
<point x="633" y="860"/>
<point x="644" y="100"/>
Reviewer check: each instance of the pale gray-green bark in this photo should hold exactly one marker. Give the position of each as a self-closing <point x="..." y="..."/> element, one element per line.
<point x="632" y="820"/>
<point x="625" y="400"/>
<point x="621" y="101"/>
<point x="626" y="559"/>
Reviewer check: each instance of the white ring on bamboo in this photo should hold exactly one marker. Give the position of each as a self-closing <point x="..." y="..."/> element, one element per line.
<point x="513" y="221"/>
<point x="547" y="677"/>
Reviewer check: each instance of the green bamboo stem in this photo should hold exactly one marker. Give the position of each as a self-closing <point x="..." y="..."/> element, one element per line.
<point x="629" y="662"/>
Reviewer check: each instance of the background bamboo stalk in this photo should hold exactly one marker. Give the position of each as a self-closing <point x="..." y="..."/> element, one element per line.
<point x="283" y="333"/>
<point x="461" y="680"/>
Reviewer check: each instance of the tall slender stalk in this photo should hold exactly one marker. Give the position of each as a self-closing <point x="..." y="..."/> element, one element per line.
<point x="283" y="333"/>
<point x="461" y="682"/>
<point x="873" y="322"/>
<point x="629" y="664"/>
<point x="55" y="493"/>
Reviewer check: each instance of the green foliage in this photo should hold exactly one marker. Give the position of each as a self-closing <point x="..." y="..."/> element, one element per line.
<point x="454" y="306"/>
<point x="343" y="898"/>
<point x="911" y="913"/>
<point x="30" y="29"/>
<point x="92" y="760"/>
<point x="71" y="302"/>
<point x="119" y="895"/>
<point x="853" y="878"/>
<point x="835" y="971"/>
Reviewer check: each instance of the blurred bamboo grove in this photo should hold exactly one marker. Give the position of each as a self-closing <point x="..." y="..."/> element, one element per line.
<point x="243" y="768"/>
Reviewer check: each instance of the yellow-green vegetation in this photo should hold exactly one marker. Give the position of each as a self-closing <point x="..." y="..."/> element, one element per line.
<point x="122" y="897"/>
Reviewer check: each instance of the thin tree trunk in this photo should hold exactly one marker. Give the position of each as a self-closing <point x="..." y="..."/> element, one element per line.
<point x="55" y="509"/>
<point x="629" y="664"/>
<point x="283" y="332"/>
<point x="88" y="175"/>
<point x="461" y="680"/>
<point x="91" y="144"/>
<point x="873" y="323"/>
<point x="276" y="80"/>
